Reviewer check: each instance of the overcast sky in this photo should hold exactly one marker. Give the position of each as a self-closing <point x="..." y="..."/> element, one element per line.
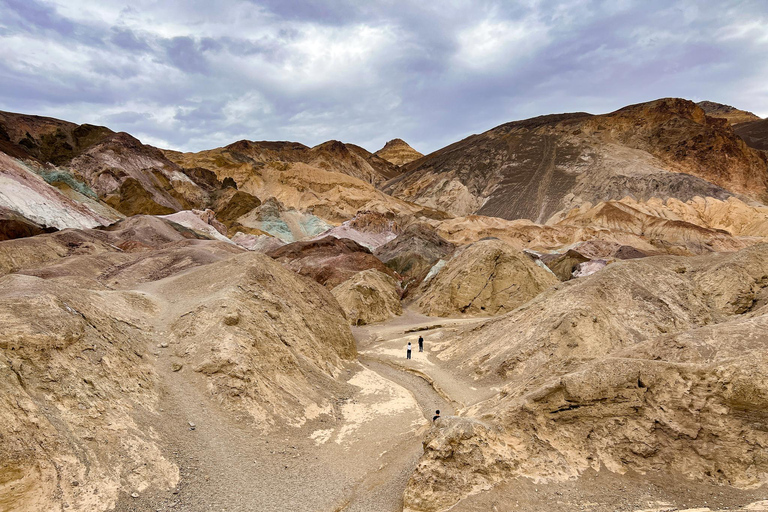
<point x="194" y="75"/>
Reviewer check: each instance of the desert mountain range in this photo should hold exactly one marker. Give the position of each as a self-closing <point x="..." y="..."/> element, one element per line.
<point x="226" y="329"/>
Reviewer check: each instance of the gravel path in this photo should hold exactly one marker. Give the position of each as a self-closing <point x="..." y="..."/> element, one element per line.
<point x="226" y="463"/>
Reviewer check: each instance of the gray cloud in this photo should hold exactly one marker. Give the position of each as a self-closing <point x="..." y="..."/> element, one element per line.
<point x="193" y="76"/>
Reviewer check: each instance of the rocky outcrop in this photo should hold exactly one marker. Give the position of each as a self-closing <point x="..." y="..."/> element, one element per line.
<point x="564" y="265"/>
<point x="368" y="297"/>
<point x="275" y="219"/>
<point x="414" y="252"/>
<point x="72" y="370"/>
<point x="230" y="205"/>
<point x="13" y="225"/>
<point x="329" y="261"/>
<point x="201" y="221"/>
<point x="260" y="243"/>
<point x="531" y="169"/>
<point x="486" y="278"/>
<point x="398" y="152"/>
<point x="24" y="191"/>
<point x="651" y="363"/>
<point x="245" y="328"/>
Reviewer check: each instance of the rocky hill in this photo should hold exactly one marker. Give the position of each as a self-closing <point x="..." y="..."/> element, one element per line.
<point x="128" y="175"/>
<point x="93" y="320"/>
<point x="398" y="152"/>
<point x="650" y="363"/>
<point x="531" y="169"/>
<point x="488" y="277"/>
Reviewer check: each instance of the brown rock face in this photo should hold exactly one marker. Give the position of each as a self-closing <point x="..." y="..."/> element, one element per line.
<point x="398" y="152"/>
<point x="486" y="278"/>
<point x="13" y="225"/>
<point x="755" y="134"/>
<point x="731" y="114"/>
<point x="369" y="296"/>
<point x="330" y="260"/>
<point x="530" y="169"/>
<point x="651" y="363"/>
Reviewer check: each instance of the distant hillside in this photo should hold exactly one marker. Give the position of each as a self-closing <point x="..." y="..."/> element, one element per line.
<point x="533" y="168"/>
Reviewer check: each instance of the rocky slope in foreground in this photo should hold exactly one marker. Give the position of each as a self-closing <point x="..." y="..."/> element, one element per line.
<point x="531" y="169"/>
<point x="651" y="364"/>
<point x="90" y="319"/>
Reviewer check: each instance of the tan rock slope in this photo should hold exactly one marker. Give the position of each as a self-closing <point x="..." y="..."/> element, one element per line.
<point x="531" y="169"/>
<point x="398" y="152"/>
<point x="485" y="278"/>
<point x="85" y="315"/>
<point x="651" y="364"/>
<point x="369" y="296"/>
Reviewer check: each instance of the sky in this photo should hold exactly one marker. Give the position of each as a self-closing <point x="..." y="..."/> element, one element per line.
<point x="193" y="75"/>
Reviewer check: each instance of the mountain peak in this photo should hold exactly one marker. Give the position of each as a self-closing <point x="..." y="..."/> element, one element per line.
<point x="398" y="152"/>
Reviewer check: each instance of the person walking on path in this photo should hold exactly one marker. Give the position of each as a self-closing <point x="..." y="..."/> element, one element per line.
<point x="408" y="351"/>
<point x="421" y="344"/>
<point x="436" y="416"/>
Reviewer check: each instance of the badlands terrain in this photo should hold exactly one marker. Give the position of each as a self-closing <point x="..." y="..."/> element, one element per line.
<point x="226" y="330"/>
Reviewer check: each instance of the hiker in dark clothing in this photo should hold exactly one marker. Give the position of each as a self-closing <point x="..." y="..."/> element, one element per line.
<point x="408" y="351"/>
<point x="436" y="416"/>
<point x="421" y="344"/>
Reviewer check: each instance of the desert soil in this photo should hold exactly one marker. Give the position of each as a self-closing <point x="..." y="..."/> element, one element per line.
<point x="359" y="457"/>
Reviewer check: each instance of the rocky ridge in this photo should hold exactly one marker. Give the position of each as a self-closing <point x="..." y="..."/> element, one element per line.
<point x="530" y="169"/>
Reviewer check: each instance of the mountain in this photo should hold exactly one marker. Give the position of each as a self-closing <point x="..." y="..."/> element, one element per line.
<point x="398" y="152"/>
<point x="333" y="156"/>
<point x="531" y="169"/>
<point x="731" y="114"/>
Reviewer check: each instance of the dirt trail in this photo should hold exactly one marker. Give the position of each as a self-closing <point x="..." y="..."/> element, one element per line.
<point x="360" y="461"/>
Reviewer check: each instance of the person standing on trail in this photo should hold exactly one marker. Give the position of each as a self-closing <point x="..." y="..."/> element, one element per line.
<point x="408" y="351"/>
<point x="436" y="416"/>
<point x="421" y="344"/>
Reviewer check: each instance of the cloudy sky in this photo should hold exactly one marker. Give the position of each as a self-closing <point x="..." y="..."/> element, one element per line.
<point x="197" y="74"/>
